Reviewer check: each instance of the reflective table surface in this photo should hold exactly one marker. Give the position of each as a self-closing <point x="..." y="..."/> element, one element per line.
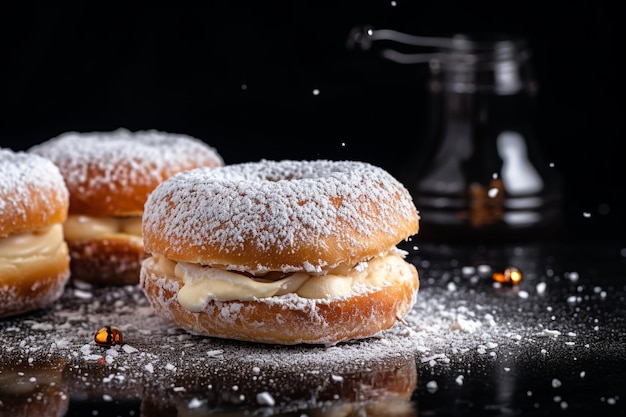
<point x="553" y="344"/>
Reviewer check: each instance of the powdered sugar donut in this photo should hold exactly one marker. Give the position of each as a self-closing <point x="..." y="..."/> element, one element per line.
<point x="34" y="261"/>
<point x="281" y="251"/>
<point x="109" y="176"/>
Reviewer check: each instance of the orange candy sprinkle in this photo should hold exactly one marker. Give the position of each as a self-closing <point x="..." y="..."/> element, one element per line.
<point x="509" y="276"/>
<point x="108" y="336"/>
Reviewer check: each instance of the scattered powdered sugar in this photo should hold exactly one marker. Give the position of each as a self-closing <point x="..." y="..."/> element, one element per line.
<point x="195" y="403"/>
<point x="444" y="333"/>
<point x="265" y="398"/>
<point x="432" y="386"/>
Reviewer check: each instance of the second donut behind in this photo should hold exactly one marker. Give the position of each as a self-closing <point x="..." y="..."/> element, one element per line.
<point x="109" y="176"/>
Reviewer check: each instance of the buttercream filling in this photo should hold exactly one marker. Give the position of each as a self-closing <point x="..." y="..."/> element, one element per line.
<point x="39" y="242"/>
<point x="204" y="283"/>
<point x="81" y="227"/>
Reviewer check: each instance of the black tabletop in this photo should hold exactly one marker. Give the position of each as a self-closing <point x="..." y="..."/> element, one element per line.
<point x="565" y="318"/>
<point x="553" y="344"/>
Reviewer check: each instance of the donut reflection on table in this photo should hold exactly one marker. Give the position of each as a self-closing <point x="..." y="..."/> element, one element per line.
<point x="345" y="380"/>
<point x="383" y="387"/>
<point x="32" y="388"/>
<point x="96" y="381"/>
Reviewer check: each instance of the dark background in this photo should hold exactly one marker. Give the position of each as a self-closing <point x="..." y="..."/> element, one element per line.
<point x="241" y="76"/>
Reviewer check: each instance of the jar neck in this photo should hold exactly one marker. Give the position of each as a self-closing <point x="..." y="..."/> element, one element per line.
<point x="500" y="67"/>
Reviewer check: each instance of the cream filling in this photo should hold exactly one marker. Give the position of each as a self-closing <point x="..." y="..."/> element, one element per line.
<point x="80" y="227"/>
<point x="44" y="241"/>
<point x="203" y="283"/>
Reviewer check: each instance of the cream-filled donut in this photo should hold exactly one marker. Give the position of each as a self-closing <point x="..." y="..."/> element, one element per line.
<point x="283" y="252"/>
<point x="34" y="260"/>
<point x="109" y="176"/>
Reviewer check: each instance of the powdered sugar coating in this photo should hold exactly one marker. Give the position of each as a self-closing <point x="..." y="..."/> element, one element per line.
<point x="112" y="163"/>
<point x="26" y="182"/>
<point x="279" y="212"/>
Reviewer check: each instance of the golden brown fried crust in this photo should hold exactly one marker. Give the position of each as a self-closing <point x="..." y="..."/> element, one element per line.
<point x="114" y="260"/>
<point x="335" y="248"/>
<point x="117" y="196"/>
<point x="42" y="207"/>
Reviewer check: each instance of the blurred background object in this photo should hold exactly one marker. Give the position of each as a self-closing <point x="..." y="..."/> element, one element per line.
<point x="480" y="174"/>
<point x="259" y="80"/>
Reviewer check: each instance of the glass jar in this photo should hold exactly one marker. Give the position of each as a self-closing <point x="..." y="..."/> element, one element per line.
<point x="481" y="175"/>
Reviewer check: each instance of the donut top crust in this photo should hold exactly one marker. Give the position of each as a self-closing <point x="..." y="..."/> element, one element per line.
<point x="279" y="215"/>
<point x="32" y="193"/>
<point x="112" y="173"/>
